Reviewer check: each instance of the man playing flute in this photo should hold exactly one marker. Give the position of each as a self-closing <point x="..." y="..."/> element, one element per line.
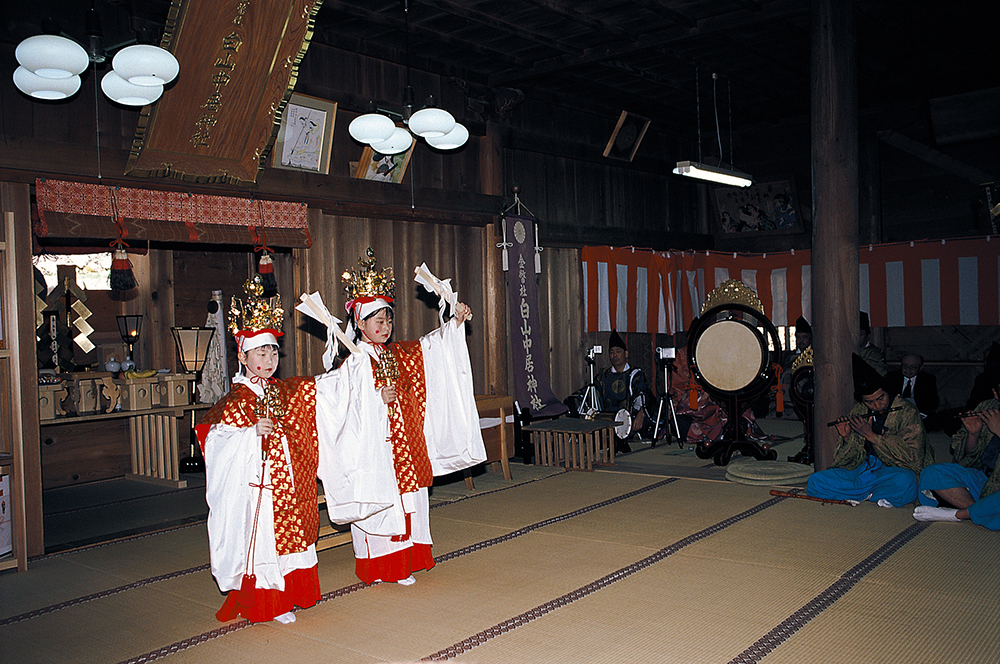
<point x="881" y="450"/>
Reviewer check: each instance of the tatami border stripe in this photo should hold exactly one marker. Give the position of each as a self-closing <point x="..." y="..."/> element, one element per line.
<point x="347" y="590"/>
<point x="793" y="623"/>
<point x="570" y="597"/>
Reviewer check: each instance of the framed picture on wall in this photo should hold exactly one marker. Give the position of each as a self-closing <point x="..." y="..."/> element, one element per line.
<point x="305" y="136"/>
<point x="765" y="207"/>
<point x="626" y="137"/>
<point x="383" y="167"/>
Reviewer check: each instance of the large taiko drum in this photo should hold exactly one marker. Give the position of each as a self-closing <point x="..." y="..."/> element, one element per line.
<point x="730" y="354"/>
<point x="729" y="351"/>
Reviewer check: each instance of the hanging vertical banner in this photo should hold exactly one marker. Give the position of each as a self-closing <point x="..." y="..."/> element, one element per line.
<point x="531" y="376"/>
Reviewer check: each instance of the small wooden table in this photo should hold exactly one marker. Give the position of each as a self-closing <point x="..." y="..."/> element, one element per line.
<point x="575" y="443"/>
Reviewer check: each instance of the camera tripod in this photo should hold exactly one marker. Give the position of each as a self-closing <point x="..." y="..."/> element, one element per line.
<point x="667" y="404"/>
<point x="590" y="403"/>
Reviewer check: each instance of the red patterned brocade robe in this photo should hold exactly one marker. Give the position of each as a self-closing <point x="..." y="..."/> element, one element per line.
<point x="263" y="518"/>
<point x="377" y="460"/>
<point x="382" y="558"/>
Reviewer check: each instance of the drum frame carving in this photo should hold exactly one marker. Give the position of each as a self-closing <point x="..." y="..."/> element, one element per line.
<point x="734" y="402"/>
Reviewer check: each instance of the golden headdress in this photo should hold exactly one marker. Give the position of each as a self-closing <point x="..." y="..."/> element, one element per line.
<point x="732" y="291"/>
<point x="367" y="284"/>
<point x="256" y="318"/>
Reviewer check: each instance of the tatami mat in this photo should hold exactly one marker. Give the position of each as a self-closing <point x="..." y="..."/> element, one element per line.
<point x="609" y="566"/>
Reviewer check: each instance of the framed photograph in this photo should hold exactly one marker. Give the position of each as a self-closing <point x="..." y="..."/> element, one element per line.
<point x="626" y="137"/>
<point x="765" y="207"/>
<point x="305" y="136"/>
<point x="383" y="167"/>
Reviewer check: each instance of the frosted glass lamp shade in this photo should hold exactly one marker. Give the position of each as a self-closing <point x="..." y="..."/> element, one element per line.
<point x="400" y="141"/>
<point x="45" y="88"/>
<point x="431" y="122"/>
<point x="123" y="92"/>
<point x="144" y="64"/>
<point x="52" y="56"/>
<point x="371" y="128"/>
<point x="455" y="138"/>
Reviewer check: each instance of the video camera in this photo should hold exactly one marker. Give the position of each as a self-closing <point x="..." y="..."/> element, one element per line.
<point x="593" y="352"/>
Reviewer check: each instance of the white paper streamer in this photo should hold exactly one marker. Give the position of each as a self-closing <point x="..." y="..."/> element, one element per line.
<point x="312" y="306"/>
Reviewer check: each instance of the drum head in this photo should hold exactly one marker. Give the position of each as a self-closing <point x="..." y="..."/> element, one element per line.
<point x="729" y="355"/>
<point x="624" y="421"/>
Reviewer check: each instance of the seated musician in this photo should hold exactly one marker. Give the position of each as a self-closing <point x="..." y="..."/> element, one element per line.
<point x="623" y="387"/>
<point x="970" y="484"/>
<point x="881" y="450"/>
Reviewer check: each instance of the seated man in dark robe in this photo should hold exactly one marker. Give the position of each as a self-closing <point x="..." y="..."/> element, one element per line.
<point x="623" y="387"/>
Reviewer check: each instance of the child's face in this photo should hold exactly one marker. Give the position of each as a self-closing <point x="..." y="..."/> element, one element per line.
<point x="261" y="361"/>
<point x="377" y="328"/>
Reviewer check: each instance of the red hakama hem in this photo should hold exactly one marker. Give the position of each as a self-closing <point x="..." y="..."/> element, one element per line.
<point x="263" y="604"/>
<point x="395" y="566"/>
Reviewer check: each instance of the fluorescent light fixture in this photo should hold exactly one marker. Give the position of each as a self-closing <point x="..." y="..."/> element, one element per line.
<point x="693" y="169"/>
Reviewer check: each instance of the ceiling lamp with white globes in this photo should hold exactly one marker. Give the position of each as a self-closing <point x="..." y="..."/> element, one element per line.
<point x="145" y="64"/>
<point x="400" y="141"/>
<point x="40" y="87"/>
<point x="454" y="139"/>
<point x="50" y="66"/>
<point x="431" y="122"/>
<point x="371" y="127"/>
<point x="129" y="94"/>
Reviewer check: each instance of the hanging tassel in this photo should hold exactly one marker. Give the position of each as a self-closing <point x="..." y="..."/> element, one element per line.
<point x="122" y="278"/>
<point x="266" y="271"/>
<point x="266" y="267"/>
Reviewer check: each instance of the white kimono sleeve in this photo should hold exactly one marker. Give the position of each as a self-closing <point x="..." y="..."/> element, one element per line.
<point x="355" y="457"/>
<point x="451" y="421"/>
<point x="232" y="464"/>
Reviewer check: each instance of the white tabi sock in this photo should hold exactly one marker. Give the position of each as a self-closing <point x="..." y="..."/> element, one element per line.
<point x="928" y="513"/>
<point x="408" y="581"/>
<point x="286" y="618"/>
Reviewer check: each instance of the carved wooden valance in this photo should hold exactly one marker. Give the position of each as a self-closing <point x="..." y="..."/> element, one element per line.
<point x="239" y="62"/>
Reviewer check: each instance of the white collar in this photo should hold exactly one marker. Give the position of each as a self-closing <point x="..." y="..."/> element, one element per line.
<point x="255" y="386"/>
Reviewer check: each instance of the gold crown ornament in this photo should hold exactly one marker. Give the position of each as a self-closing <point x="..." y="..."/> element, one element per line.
<point x="368" y="283"/>
<point x="732" y="291"/>
<point x="256" y="313"/>
<point x="805" y="359"/>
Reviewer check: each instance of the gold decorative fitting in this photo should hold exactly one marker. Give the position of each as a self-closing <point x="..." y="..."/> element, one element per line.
<point x="256" y="313"/>
<point x="732" y="292"/>
<point x="369" y="282"/>
<point x="805" y="359"/>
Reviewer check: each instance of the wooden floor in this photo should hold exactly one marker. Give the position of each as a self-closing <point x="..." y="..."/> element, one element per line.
<point x="658" y="560"/>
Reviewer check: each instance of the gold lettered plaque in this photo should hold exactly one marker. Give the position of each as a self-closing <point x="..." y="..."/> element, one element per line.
<point x="238" y="63"/>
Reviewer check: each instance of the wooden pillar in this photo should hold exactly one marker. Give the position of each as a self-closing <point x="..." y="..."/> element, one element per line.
<point x="834" y="113"/>
<point x="494" y="319"/>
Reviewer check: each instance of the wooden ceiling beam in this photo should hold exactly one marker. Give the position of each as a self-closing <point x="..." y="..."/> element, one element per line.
<point x="659" y="39"/>
<point x="518" y="31"/>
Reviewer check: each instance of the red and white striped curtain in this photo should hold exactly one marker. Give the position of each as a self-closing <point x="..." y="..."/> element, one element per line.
<point x="935" y="282"/>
